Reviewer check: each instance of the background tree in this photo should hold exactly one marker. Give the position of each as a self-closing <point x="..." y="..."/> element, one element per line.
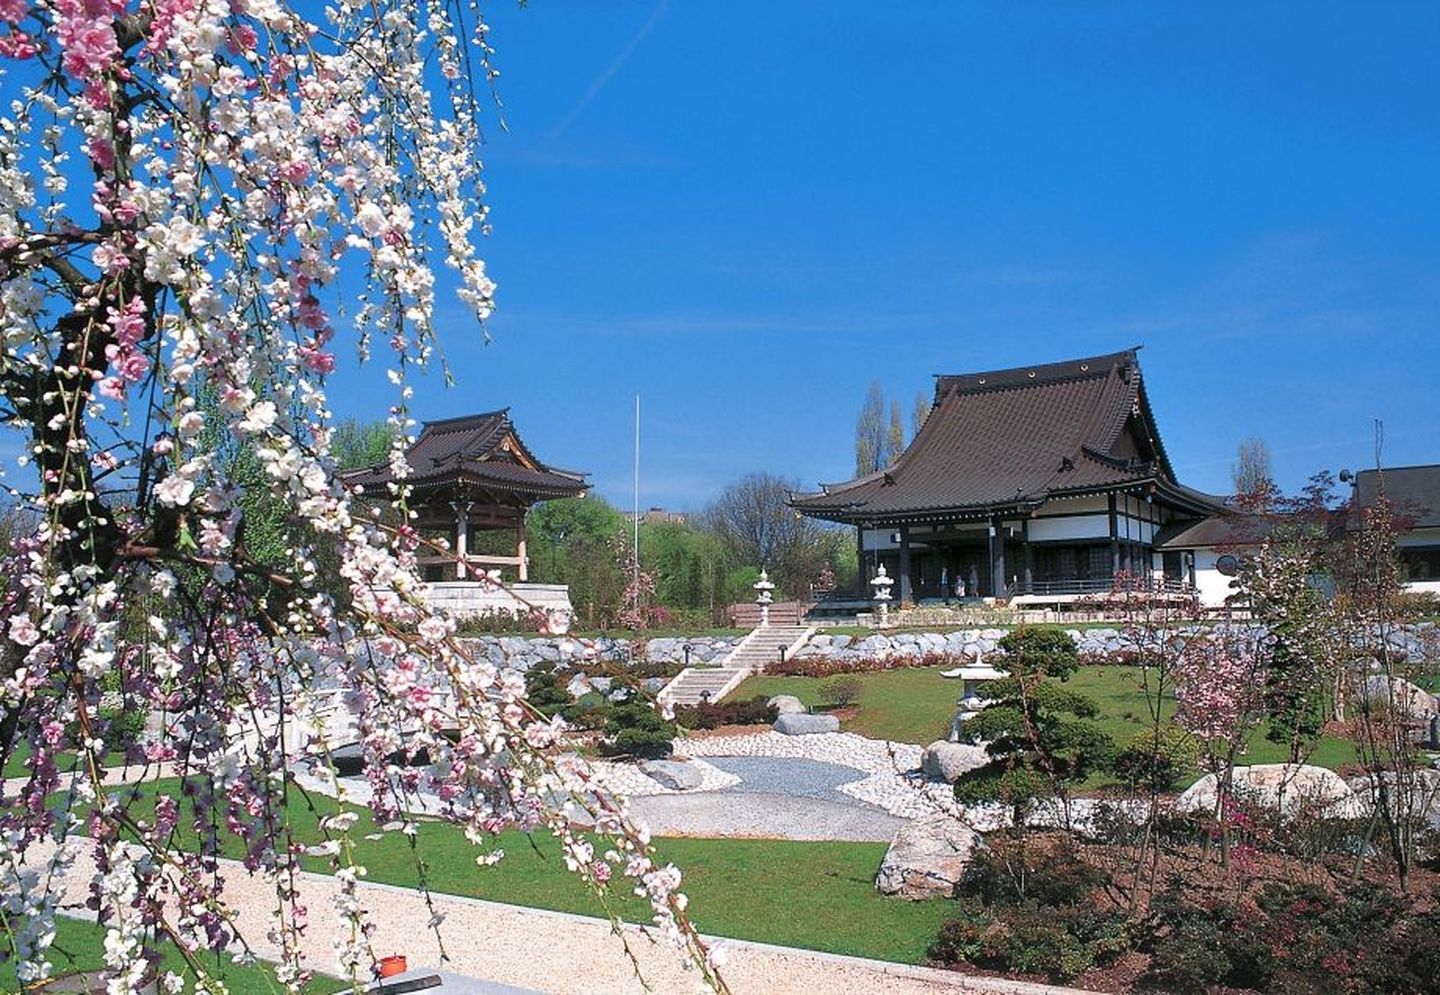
<point x="355" y="444"/>
<point x="754" y="520"/>
<point x="1251" y="475"/>
<point x="894" y="435"/>
<point x="870" y="432"/>
<point x="919" y="412"/>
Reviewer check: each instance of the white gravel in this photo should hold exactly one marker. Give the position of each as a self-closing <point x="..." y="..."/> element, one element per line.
<point x="627" y="780"/>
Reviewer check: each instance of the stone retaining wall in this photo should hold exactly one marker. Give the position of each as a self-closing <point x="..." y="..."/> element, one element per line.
<point x="964" y="645"/>
<point x="1098" y="644"/>
<point x="522" y="653"/>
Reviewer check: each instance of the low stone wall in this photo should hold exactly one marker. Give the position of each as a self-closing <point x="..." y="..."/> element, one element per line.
<point x="965" y="645"/>
<point x="524" y="652"/>
<point x="1414" y="642"/>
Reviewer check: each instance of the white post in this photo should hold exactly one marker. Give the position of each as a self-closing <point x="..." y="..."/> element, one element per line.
<point x="462" y="537"/>
<point x="520" y="552"/>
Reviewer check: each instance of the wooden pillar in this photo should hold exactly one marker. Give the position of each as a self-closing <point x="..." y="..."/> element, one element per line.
<point x="1027" y="555"/>
<point x="1114" y="539"/>
<point x="907" y="596"/>
<point x="997" y="559"/>
<point x="520" y="549"/>
<point x="862" y="572"/>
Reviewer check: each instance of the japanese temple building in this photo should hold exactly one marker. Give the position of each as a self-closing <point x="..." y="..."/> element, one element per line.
<point x="1037" y="484"/>
<point x="468" y="476"/>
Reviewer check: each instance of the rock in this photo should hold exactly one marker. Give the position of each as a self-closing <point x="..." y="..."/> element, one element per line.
<point x="663" y="649"/>
<point x="796" y="724"/>
<point x="1291" y="788"/>
<point x="672" y="774"/>
<point x="787" y="704"/>
<point x="927" y="859"/>
<point x="653" y="685"/>
<point x="840" y="642"/>
<point x="1410" y="699"/>
<point x="1424" y="801"/>
<point x="946" y="761"/>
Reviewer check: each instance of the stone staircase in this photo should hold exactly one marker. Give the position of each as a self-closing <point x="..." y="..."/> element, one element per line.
<point x="763" y="646"/>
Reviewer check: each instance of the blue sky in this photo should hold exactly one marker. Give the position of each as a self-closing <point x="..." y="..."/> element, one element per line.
<point x="748" y="211"/>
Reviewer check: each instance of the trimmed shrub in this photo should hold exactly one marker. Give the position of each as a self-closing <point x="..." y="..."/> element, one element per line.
<point x="712" y="715"/>
<point x="634" y="729"/>
<point x="840" y="690"/>
<point x="1158" y="762"/>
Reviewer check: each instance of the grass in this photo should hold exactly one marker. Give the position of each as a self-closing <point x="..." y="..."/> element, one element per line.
<point x="79" y="946"/>
<point x="912" y="705"/>
<point x="812" y="895"/>
<point x="915" y="706"/>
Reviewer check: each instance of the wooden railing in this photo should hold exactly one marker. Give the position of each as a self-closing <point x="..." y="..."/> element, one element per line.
<point x="1100" y="585"/>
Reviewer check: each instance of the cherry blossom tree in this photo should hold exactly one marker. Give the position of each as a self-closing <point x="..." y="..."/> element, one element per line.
<point x="200" y="200"/>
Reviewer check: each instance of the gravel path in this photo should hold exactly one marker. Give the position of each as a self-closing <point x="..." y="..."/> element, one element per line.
<point x="554" y="952"/>
<point x="789" y="776"/>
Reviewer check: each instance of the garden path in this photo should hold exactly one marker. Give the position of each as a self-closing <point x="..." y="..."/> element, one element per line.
<point x="555" y="952"/>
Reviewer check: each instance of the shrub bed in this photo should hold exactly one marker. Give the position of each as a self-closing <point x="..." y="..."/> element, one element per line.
<point x="713" y="715"/>
<point x="1031" y="906"/>
<point x="828" y="666"/>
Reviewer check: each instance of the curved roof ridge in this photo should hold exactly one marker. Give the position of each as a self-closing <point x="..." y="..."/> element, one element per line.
<point x="1019" y="376"/>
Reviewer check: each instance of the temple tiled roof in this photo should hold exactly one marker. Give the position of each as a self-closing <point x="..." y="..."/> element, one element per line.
<point x="482" y="451"/>
<point x="1219" y="530"/>
<point x="1010" y="439"/>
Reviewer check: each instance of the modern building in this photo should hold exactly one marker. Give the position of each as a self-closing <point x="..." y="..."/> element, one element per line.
<point x="1414" y="496"/>
<point x="472" y="480"/>
<point x="1040" y="484"/>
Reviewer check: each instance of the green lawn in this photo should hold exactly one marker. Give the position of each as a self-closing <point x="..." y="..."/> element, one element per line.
<point x="909" y="706"/>
<point x="819" y="896"/>
<point x="79" y="946"/>
<point x="915" y="706"/>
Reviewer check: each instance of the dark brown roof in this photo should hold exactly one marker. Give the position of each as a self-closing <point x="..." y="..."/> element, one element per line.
<point x="481" y="451"/>
<point x="1010" y="439"/>
<point x="1414" y="492"/>
<point x="1217" y="530"/>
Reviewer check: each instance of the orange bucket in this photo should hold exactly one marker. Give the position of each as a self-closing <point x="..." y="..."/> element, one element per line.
<point x="393" y="965"/>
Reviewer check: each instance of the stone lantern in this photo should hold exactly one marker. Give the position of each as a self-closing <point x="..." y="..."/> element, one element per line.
<point x="882" y="583"/>
<point x="764" y="596"/>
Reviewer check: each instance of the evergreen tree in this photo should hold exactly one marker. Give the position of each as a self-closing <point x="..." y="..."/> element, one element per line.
<point x="1038" y="738"/>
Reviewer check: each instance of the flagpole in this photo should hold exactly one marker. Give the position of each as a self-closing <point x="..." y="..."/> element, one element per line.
<point x="637" y="497"/>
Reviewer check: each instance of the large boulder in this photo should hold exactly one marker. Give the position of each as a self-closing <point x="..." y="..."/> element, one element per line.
<point x="787" y="704"/>
<point x="672" y="774"/>
<point x="1290" y="788"/>
<point x="1422" y="805"/>
<point x="946" y="761"/>
<point x="1409" y="699"/>
<point x="927" y="858"/>
<point x="803" y="725"/>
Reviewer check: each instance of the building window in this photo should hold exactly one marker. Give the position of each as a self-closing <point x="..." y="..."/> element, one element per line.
<point x="1421" y="563"/>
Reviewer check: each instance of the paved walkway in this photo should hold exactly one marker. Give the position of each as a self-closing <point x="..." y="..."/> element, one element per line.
<point x="560" y="953"/>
